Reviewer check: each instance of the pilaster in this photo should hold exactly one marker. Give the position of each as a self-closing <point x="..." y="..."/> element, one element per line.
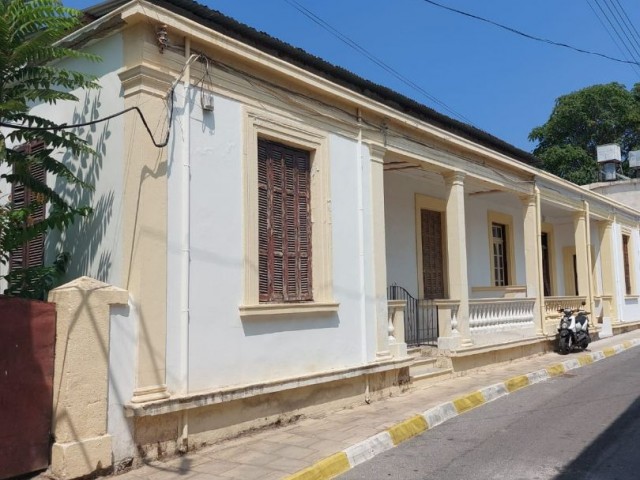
<point x="376" y="154"/>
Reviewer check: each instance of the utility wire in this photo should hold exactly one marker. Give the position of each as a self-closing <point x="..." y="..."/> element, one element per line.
<point x="633" y="32"/>
<point x="529" y="36"/>
<point x="619" y="30"/>
<point x="632" y="27"/>
<point x="342" y="37"/>
<point x="64" y="126"/>
<point x="607" y="29"/>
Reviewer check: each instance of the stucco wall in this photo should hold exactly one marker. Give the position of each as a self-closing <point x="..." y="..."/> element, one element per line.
<point x="225" y="349"/>
<point x="400" y="190"/>
<point x="95" y="243"/>
<point x="478" y="251"/>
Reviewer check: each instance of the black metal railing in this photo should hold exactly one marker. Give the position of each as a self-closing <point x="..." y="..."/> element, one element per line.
<point x="420" y="317"/>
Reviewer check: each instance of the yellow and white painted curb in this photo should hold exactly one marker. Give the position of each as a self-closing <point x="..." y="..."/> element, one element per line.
<point x="345" y="460"/>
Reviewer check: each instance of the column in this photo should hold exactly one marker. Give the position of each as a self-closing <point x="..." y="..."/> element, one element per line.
<point x="457" y="257"/>
<point x="81" y="377"/>
<point x="533" y="257"/>
<point x="379" y="252"/>
<point x="608" y="267"/>
<point x="583" y="266"/>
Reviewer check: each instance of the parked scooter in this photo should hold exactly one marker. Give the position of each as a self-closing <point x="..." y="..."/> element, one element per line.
<point x="573" y="330"/>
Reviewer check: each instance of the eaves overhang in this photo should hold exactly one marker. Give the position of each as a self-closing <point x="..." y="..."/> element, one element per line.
<point x="272" y="46"/>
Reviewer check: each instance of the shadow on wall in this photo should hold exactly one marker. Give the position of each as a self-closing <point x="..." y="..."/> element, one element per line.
<point x="84" y="238"/>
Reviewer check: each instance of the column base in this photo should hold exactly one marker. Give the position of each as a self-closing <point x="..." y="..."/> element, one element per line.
<point x="384" y="355"/>
<point x="398" y="350"/>
<point x="78" y="459"/>
<point x="148" y="394"/>
<point x="606" y="328"/>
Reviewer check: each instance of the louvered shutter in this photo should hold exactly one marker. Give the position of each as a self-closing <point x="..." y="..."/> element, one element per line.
<point x="32" y="253"/>
<point x="284" y="227"/>
<point x="432" y="254"/>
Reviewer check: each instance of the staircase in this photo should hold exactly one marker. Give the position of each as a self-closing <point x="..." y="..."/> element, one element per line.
<point x="428" y="367"/>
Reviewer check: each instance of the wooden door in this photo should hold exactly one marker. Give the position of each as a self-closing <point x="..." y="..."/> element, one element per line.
<point x="432" y="254"/>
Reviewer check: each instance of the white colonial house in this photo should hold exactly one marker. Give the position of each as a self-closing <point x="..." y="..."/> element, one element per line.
<point x="270" y="251"/>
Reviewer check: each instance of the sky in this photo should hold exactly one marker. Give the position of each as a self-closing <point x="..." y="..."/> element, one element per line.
<point x="498" y="81"/>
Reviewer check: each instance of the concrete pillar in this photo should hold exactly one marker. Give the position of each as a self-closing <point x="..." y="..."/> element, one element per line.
<point x="379" y="251"/>
<point x="608" y="267"/>
<point x="458" y="286"/>
<point x="583" y="265"/>
<point x="80" y="391"/>
<point x="533" y="257"/>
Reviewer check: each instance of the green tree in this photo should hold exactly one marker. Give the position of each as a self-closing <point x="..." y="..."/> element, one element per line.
<point x="582" y="120"/>
<point x="31" y="73"/>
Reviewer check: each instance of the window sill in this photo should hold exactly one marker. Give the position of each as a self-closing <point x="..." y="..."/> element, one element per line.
<point x="269" y="309"/>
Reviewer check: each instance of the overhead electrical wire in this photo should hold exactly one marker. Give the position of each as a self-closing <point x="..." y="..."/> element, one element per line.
<point x="608" y="30"/>
<point x="632" y="27"/>
<point x="628" y="24"/>
<point x="618" y="30"/>
<point x="360" y="49"/>
<point x="529" y="36"/>
<point x="65" y="126"/>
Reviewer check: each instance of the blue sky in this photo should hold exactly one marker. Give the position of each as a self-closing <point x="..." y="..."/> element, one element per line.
<point x="502" y="83"/>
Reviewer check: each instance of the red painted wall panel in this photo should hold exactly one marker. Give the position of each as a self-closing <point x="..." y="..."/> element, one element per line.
<point x="27" y="340"/>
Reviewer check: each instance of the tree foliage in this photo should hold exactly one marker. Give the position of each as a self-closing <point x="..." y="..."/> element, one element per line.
<point x="582" y="120"/>
<point x="31" y="73"/>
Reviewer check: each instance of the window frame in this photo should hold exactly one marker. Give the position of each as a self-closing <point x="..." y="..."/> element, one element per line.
<point x="627" y="263"/>
<point x="424" y="202"/>
<point x="506" y="221"/>
<point x="262" y="125"/>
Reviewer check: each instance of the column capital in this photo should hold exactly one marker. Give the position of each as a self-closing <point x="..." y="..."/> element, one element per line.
<point x="528" y="199"/>
<point x="377" y="152"/>
<point x="455" y="177"/>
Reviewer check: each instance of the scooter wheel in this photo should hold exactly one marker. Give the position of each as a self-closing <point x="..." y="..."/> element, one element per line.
<point x="564" y="345"/>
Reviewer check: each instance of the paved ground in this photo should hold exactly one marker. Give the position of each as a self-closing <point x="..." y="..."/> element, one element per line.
<point x="280" y="452"/>
<point x="580" y="425"/>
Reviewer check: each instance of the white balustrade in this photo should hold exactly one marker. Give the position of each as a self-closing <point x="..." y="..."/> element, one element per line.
<point x="495" y="315"/>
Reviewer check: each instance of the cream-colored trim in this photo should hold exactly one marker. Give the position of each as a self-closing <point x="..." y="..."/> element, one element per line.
<point x="507" y="221"/>
<point x="146" y="79"/>
<point x="506" y="292"/>
<point x="260" y="124"/>
<point x="626" y="232"/>
<point x="553" y="275"/>
<point x="301" y="308"/>
<point x="423" y="202"/>
<point x="228" y="394"/>
<point x="569" y="271"/>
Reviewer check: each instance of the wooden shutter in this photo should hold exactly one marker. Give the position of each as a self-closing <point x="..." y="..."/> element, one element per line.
<point x="627" y="270"/>
<point x="432" y="254"/>
<point x="284" y="227"/>
<point x="30" y="254"/>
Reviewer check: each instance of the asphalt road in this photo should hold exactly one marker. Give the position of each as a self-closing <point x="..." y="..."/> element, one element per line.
<point x="582" y="425"/>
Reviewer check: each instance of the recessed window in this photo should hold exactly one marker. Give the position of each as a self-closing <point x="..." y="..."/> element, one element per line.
<point x="500" y="254"/>
<point x="284" y="223"/>
<point x="627" y="269"/>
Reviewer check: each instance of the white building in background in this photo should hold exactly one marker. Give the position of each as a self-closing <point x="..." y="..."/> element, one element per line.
<point x="259" y="245"/>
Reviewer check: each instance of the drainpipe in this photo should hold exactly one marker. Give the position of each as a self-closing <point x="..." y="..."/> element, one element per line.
<point x="185" y="257"/>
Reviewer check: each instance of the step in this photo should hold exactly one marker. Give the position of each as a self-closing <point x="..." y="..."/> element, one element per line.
<point x="430" y="375"/>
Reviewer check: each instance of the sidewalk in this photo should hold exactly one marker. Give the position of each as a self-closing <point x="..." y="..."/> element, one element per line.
<point x="281" y="452"/>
